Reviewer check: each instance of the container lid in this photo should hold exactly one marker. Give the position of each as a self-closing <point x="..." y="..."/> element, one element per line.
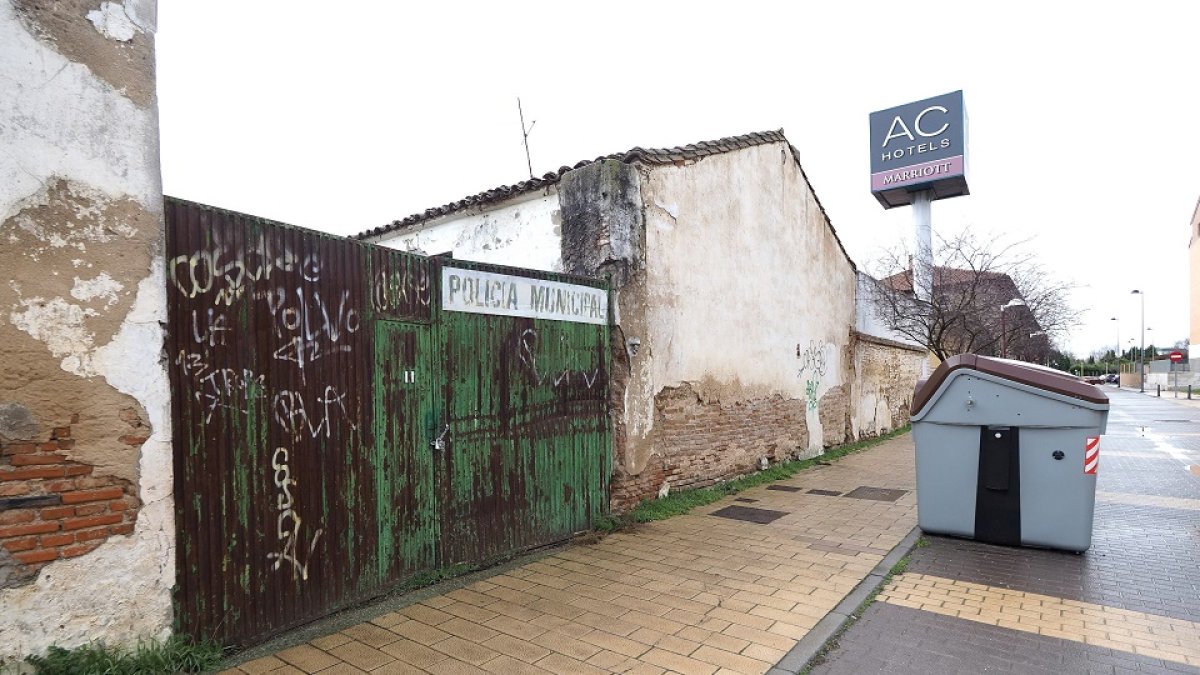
<point x="1017" y="371"/>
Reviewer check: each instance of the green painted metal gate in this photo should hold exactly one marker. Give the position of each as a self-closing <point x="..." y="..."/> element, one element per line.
<point x="341" y="428"/>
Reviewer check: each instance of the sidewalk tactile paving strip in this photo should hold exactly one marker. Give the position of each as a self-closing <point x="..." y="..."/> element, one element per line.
<point x="878" y="494"/>
<point x="1135" y="632"/>
<point x="691" y="594"/>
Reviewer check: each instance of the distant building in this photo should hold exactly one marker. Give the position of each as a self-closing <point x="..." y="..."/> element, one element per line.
<point x="735" y="335"/>
<point x="967" y="314"/>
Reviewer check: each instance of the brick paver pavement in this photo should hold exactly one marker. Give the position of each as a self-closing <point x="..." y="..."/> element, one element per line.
<point x="1129" y="604"/>
<point x="697" y="593"/>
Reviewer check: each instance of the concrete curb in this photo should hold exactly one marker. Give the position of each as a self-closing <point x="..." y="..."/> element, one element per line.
<point x="814" y="641"/>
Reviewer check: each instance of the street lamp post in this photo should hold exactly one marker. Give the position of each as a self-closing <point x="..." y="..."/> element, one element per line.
<point x="1015" y="302"/>
<point x="1142" y="349"/>
<point x="1118" y="351"/>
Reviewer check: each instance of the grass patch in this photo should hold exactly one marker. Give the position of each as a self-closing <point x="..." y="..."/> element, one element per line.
<point x="176" y="655"/>
<point x="678" y="503"/>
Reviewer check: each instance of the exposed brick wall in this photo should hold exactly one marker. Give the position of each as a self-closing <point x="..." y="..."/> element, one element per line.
<point x="698" y="443"/>
<point x="52" y="507"/>
<point x="834" y="413"/>
<point x="884" y="376"/>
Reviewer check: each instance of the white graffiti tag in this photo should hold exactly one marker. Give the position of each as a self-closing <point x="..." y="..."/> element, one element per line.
<point x="228" y="271"/>
<point x="292" y="414"/>
<point x="284" y="503"/>
<point x="313" y="329"/>
<point x="529" y="345"/>
<point x="226" y="389"/>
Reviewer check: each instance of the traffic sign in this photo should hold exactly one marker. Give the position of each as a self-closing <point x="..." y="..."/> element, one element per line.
<point x="1176" y="356"/>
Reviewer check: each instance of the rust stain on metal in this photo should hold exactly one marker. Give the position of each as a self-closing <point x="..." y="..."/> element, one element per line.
<point x="337" y="433"/>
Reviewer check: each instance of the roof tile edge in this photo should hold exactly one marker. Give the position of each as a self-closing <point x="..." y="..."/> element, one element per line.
<point x="637" y="154"/>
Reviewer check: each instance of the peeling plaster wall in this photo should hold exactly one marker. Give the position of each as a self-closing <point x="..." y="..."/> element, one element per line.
<point x="523" y="232"/>
<point x="82" y="305"/>
<point x="747" y="294"/>
<point x="885" y="374"/>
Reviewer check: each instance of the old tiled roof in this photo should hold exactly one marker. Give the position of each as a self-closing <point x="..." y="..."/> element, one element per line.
<point x="637" y="155"/>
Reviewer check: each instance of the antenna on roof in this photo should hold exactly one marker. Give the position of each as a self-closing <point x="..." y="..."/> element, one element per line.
<point x="525" y="135"/>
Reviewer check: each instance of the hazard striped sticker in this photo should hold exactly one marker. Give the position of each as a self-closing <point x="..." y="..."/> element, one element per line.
<point x="1091" y="455"/>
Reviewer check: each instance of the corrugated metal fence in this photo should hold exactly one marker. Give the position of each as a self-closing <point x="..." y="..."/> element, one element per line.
<point x="338" y="431"/>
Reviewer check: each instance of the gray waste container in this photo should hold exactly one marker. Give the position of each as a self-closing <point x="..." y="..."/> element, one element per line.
<point x="1007" y="453"/>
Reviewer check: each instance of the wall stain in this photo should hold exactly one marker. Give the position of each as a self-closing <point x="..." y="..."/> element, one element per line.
<point x="63" y="24"/>
<point x="66" y="237"/>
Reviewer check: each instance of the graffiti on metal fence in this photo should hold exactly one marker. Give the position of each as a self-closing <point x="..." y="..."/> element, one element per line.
<point x="289" y="537"/>
<point x="302" y="444"/>
<point x="228" y="270"/>
<point x="291" y="412"/>
<point x="527" y="352"/>
<point x="400" y="287"/>
<point x="312" y="328"/>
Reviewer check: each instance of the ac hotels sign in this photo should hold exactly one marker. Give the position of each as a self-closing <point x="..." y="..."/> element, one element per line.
<point x="919" y="146"/>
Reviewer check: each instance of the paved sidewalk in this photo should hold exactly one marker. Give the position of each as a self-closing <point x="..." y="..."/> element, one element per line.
<point x="700" y="593"/>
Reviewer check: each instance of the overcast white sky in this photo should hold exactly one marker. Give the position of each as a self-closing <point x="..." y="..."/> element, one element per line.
<point x="1084" y="117"/>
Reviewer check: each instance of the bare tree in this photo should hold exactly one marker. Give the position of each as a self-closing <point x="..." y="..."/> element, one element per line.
<point x="973" y="279"/>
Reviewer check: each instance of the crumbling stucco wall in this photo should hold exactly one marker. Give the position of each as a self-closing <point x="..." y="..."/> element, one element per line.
<point x="748" y="299"/>
<point x="885" y="374"/>
<point x="734" y="303"/>
<point x="525" y="231"/>
<point x="86" y="516"/>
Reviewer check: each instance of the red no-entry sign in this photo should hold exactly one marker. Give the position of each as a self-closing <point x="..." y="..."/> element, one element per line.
<point x="1176" y="356"/>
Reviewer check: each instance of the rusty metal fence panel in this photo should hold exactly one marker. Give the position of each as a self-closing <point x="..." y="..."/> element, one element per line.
<point x="310" y="376"/>
<point x="528" y="458"/>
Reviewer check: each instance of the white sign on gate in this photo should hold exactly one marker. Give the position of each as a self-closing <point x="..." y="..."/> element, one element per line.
<point x="506" y="295"/>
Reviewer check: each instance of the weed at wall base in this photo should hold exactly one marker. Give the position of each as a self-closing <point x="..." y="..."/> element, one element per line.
<point x="175" y="655"/>
<point x="678" y="503"/>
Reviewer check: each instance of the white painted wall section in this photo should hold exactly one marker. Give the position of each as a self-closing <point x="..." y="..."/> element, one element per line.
<point x="866" y="308"/>
<point x="523" y="232"/>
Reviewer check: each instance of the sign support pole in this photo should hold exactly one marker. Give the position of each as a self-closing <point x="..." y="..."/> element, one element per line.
<point x="922" y="208"/>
